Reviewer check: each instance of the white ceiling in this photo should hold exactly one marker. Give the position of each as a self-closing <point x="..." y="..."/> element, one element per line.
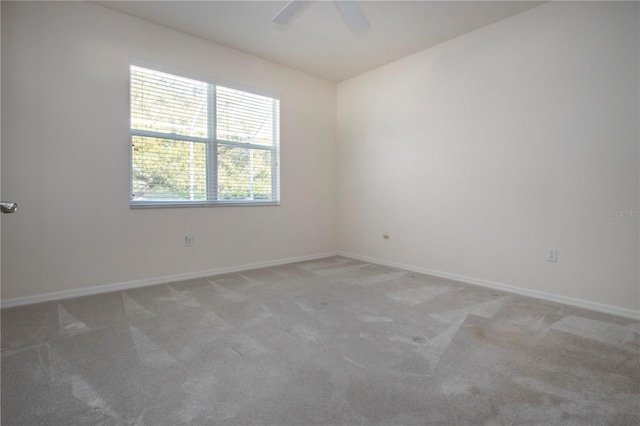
<point x="317" y="40"/>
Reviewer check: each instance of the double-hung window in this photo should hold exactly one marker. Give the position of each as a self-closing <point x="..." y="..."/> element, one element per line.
<point x="200" y="143"/>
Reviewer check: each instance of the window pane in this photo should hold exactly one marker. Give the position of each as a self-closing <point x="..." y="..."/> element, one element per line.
<point x="194" y="141"/>
<point x="167" y="103"/>
<point x="168" y="170"/>
<point x="244" y="174"/>
<point x="245" y="117"/>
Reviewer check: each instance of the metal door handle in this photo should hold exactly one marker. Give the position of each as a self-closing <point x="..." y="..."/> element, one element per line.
<point x="8" y="207"/>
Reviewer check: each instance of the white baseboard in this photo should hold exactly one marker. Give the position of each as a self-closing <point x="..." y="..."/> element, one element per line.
<point x="594" y="306"/>
<point x="88" y="291"/>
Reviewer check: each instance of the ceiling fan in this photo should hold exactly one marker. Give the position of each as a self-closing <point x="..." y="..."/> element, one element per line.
<point x="350" y="10"/>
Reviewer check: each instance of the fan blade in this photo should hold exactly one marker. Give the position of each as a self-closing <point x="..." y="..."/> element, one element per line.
<point x="353" y="15"/>
<point x="289" y="11"/>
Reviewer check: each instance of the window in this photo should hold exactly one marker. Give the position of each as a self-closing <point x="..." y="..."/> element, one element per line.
<point x="198" y="143"/>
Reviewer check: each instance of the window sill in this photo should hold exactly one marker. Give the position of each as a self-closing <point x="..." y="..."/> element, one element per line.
<point x="173" y="204"/>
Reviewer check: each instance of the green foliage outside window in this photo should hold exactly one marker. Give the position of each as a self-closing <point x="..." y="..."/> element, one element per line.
<point x="172" y="144"/>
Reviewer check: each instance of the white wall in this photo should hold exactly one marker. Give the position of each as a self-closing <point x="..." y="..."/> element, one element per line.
<point x="477" y="155"/>
<point x="481" y="153"/>
<point x="66" y="156"/>
<point x="1" y="199"/>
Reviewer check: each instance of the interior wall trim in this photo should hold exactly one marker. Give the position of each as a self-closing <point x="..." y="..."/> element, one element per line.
<point x="581" y="303"/>
<point x="88" y="291"/>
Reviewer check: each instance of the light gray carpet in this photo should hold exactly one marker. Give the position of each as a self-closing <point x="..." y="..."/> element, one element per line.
<point x="333" y="341"/>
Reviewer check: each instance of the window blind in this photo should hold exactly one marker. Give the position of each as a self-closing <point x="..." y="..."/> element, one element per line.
<point x="195" y="142"/>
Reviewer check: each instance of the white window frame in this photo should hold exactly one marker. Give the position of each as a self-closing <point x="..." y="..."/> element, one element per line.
<point x="211" y="141"/>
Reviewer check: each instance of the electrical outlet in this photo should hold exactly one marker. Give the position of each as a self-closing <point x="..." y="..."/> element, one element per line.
<point x="188" y="241"/>
<point x="552" y="255"/>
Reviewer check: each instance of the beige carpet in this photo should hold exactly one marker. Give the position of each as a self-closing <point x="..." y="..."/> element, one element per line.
<point x="334" y="341"/>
